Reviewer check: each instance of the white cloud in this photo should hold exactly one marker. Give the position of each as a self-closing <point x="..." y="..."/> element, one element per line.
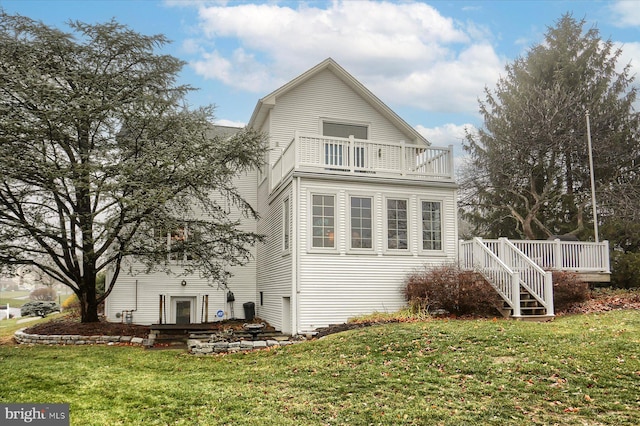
<point x="447" y="85"/>
<point x="239" y="70"/>
<point x="630" y="55"/>
<point x="407" y="53"/>
<point x="449" y="134"/>
<point x="626" y="13"/>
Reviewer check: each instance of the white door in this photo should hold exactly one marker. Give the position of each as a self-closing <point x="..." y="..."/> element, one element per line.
<point x="184" y="310"/>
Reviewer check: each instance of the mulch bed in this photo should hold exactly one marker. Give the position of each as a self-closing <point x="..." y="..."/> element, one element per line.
<point x="71" y="325"/>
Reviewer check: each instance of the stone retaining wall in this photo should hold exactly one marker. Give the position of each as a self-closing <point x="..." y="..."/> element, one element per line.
<point x="198" y="347"/>
<point x="41" y="339"/>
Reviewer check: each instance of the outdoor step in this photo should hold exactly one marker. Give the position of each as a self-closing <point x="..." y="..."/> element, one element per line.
<point x="535" y="318"/>
<point x="531" y="308"/>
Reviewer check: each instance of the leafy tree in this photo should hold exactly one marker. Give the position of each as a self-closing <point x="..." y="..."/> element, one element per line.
<point x="528" y="174"/>
<point x="100" y="159"/>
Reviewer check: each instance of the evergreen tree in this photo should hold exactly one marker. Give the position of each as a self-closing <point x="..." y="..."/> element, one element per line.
<point x="528" y="174"/>
<point x="100" y="159"/>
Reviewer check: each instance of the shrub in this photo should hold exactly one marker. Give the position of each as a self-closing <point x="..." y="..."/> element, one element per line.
<point x="450" y="288"/>
<point x="43" y="293"/>
<point x="568" y="290"/>
<point x="625" y="269"/>
<point x="39" y="308"/>
<point x="71" y="302"/>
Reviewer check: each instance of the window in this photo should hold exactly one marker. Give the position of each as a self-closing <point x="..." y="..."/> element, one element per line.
<point x="344" y="130"/>
<point x="431" y="225"/>
<point x="335" y="152"/>
<point x="323" y="221"/>
<point x="174" y="243"/>
<point x="285" y="225"/>
<point x="397" y="237"/>
<point x="361" y="227"/>
<point x="177" y="241"/>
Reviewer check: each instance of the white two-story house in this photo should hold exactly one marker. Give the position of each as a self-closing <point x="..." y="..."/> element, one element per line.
<point x="352" y="199"/>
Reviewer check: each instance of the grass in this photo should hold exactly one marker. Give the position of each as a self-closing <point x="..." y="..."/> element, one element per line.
<point x="15" y="299"/>
<point x="577" y="370"/>
<point x="10" y="326"/>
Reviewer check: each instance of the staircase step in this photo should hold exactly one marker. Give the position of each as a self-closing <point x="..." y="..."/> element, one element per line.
<point x="535" y="318"/>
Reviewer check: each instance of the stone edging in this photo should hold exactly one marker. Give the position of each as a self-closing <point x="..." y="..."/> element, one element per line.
<point x="197" y="347"/>
<point x="57" y="339"/>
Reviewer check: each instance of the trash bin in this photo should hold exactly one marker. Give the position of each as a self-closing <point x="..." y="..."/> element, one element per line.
<point x="249" y="310"/>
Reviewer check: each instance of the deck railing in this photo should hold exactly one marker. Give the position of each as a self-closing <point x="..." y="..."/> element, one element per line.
<point x="352" y="156"/>
<point x="526" y="273"/>
<point x="574" y="256"/>
<point x="532" y="261"/>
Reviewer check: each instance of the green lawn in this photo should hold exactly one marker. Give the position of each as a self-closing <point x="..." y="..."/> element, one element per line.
<point x="15" y="299"/>
<point x="578" y="370"/>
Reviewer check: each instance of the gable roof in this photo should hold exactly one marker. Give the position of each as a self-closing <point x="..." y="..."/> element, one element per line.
<point x="265" y="104"/>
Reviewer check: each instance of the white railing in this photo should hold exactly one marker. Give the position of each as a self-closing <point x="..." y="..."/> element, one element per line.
<point x="574" y="256"/>
<point x="527" y="274"/>
<point x="474" y="255"/>
<point x="533" y="261"/>
<point x="350" y="155"/>
<point x="533" y="278"/>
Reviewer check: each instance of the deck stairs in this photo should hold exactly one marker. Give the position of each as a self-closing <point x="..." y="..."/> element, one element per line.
<point x="526" y="288"/>
<point x="530" y="308"/>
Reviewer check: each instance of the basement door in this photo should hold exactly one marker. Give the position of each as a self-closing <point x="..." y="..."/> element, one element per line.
<point x="184" y="309"/>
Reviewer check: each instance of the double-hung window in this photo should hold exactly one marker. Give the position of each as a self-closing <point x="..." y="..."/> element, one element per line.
<point x="323" y="221"/>
<point x="397" y="224"/>
<point x="431" y="225"/>
<point x="361" y="223"/>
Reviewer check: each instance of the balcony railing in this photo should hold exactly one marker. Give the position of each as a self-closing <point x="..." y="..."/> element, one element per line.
<point x="353" y="156"/>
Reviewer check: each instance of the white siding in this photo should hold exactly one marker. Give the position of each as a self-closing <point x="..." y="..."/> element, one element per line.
<point x="337" y="285"/>
<point x="274" y="264"/>
<point x="326" y="96"/>
<point x="149" y="286"/>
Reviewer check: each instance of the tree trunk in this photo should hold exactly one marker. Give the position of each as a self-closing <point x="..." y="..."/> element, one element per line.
<point x="88" y="301"/>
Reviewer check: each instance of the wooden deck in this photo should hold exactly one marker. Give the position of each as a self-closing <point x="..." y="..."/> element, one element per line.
<point x="523" y="269"/>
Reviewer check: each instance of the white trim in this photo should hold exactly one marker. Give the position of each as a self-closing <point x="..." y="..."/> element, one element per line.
<point x="374" y="230"/>
<point x="336" y="217"/>
<point x="443" y="231"/>
<point x="385" y="225"/>
<point x="173" y="300"/>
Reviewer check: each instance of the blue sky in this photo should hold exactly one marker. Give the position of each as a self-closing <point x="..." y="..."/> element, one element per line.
<point x="427" y="60"/>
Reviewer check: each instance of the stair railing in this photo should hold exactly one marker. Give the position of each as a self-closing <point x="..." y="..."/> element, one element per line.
<point x="533" y="278"/>
<point x="475" y="255"/>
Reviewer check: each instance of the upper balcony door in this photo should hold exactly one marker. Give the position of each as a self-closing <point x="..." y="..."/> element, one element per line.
<point x="336" y="153"/>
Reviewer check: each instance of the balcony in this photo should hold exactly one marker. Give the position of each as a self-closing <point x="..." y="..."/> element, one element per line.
<point x="334" y="155"/>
